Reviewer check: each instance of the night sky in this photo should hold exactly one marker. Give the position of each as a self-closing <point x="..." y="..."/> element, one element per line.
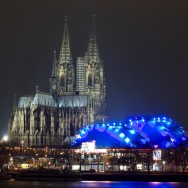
<point x="144" y="46"/>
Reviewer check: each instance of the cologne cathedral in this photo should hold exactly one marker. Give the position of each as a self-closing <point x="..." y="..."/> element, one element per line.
<point x="76" y="97"/>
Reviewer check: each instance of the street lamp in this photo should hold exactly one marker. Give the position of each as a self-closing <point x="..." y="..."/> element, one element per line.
<point x="163" y="165"/>
<point x="49" y="164"/>
<point x="3" y="150"/>
<point x="22" y="142"/>
<point x="5" y="138"/>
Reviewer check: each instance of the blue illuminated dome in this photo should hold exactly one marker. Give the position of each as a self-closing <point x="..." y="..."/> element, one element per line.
<point x="138" y="132"/>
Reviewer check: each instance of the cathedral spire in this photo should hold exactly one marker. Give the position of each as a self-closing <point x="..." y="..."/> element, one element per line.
<point x="65" y="52"/>
<point x="14" y="105"/>
<point x="92" y="50"/>
<point x="54" y="70"/>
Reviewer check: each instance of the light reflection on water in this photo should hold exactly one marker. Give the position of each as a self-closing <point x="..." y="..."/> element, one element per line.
<point x="93" y="184"/>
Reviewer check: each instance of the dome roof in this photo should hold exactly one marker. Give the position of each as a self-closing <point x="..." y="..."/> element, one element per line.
<point x="138" y="132"/>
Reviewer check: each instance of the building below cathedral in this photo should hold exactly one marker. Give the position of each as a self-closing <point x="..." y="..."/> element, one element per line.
<point x="76" y="97"/>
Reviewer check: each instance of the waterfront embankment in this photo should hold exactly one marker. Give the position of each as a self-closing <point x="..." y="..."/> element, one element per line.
<point x="103" y="176"/>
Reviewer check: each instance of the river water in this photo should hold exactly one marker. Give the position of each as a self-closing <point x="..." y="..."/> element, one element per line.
<point x="93" y="184"/>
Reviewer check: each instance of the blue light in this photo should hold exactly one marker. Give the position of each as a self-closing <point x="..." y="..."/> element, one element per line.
<point x="110" y="127"/>
<point x="183" y="138"/>
<point x="143" y="141"/>
<point x="103" y="125"/>
<point x="168" y="144"/>
<point x="83" y="132"/>
<point x="168" y="122"/>
<point x="114" y="123"/>
<point x="100" y="128"/>
<point x="132" y="131"/>
<point x="120" y="123"/>
<point x="164" y="119"/>
<point x="127" y="140"/>
<point x="161" y="128"/>
<point x="121" y="135"/>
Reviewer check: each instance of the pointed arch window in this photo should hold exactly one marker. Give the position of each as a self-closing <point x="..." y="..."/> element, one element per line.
<point x="89" y="80"/>
<point x="62" y="80"/>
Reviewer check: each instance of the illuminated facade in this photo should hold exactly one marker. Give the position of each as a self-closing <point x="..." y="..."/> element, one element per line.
<point x="139" y="132"/>
<point x="76" y="97"/>
<point x="142" y="143"/>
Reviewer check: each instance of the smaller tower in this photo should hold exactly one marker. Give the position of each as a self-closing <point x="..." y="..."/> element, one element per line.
<point x="54" y="78"/>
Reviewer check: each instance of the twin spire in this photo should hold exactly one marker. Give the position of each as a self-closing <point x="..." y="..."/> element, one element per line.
<point x="65" y="52"/>
<point x="92" y="50"/>
<point x="54" y="70"/>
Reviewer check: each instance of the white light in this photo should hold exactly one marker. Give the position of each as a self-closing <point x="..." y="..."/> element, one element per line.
<point x="83" y="132"/>
<point x="127" y="140"/>
<point x="143" y="119"/>
<point x="139" y="166"/>
<point x="132" y="131"/>
<point x="121" y="135"/>
<point x="78" y="136"/>
<point x="155" y="146"/>
<point x="172" y="140"/>
<point x="88" y="147"/>
<point x="5" y="138"/>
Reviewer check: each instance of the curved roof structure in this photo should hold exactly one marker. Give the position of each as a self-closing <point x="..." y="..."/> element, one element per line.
<point x="138" y="132"/>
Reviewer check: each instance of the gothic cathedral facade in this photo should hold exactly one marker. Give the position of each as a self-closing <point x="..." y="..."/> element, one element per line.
<point x="76" y="98"/>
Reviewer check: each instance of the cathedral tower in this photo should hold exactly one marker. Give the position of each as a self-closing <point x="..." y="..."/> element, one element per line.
<point x="65" y="68"/>
<point x="91" y="81"/>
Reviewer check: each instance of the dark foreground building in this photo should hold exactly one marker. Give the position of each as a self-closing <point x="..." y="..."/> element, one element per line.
<point x="76" y="97"/>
